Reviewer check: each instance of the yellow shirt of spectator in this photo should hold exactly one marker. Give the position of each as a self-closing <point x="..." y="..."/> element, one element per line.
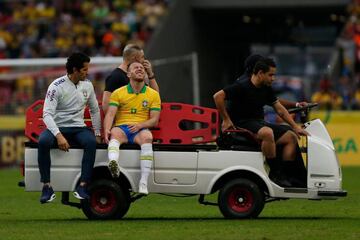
<point x="134" y="107"/>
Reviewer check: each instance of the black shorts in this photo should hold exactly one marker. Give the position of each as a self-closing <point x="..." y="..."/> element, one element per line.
<point x="254" y="125"/>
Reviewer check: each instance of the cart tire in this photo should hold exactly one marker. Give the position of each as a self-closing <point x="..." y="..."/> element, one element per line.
<point x="241" y="198"/>
<point x="107" y="200"/>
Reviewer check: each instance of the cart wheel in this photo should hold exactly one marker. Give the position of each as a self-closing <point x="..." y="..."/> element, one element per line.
<point x="241" y="198"/>
<point x="107" y="200"/>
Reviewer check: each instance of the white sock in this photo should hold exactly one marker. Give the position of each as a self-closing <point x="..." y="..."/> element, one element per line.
<point x="146" y="157"/>
<point x="113" y="150"/>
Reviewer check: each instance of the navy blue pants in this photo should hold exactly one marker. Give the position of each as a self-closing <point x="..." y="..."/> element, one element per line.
<point x="82" y="136"/>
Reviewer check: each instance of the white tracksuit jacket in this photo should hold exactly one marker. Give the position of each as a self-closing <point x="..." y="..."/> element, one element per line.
<point x="65" y="103"/>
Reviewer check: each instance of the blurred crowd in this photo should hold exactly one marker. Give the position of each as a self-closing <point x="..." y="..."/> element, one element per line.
<point x="345" y="96"/>
<point x="335" y="93"/>
<point x="343" y="93"/>
<point x="16" y="95"/>
<point x="44" y="28"/>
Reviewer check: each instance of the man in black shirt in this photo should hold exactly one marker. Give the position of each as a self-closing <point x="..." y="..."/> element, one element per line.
<point x="300" y="173"/>
<point x="247" y="98"/>
<point x="249" y="65"/>
<point x="118" y="76"/>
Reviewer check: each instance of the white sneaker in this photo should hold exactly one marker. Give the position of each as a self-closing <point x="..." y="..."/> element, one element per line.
<point x="114" y="168"/>
<point x="143" y="188"/>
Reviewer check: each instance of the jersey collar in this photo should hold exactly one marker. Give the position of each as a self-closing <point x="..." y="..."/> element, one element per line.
<point x="131" y="90"/>
<point x="71" y="82"/>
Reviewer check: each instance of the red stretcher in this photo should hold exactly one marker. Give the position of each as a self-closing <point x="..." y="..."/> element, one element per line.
<point x="179" y="123"/>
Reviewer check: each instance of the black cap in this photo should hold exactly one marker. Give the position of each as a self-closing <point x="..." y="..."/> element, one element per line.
<point x="251" y="61"/>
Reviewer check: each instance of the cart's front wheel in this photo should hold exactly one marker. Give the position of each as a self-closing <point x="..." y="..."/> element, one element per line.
<point x="241" y="198"/>
<point x="107" y="200"/>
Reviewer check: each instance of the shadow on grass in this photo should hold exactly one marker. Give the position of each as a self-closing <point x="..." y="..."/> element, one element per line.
<point x="221" y="218"/>
<point x="178" y="219"/>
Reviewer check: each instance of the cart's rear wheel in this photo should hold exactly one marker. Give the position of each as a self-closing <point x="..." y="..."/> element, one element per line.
<point x="107" y="200"/>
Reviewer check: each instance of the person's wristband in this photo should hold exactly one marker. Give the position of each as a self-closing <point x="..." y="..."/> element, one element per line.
<point x="152" y="77"/>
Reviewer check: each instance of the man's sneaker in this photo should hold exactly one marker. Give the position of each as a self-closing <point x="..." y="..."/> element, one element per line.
<point x="114" y="168"/>
<point x="47" y="194"/>
<point x="81" y="193"/>
<point x="143" y="188"/>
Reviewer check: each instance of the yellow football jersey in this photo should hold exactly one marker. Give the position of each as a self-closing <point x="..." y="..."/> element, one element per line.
<point x="134" y="107"/>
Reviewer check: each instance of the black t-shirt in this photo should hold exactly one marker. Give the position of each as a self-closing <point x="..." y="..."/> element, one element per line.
<point x="245" y="101"/>
<point x="243" y="77"/>
<point x="115" y="80"/>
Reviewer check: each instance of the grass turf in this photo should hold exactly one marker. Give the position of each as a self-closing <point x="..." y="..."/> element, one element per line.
<point x="160" y="217"/>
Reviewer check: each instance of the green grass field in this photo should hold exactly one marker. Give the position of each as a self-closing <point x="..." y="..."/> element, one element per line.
<point x="160" y="217"/>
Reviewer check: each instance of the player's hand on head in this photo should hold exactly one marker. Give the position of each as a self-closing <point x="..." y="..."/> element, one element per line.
<point x="148" y="67"/>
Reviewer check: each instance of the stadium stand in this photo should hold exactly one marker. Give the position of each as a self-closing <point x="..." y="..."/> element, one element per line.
<point x="43" y="28"/>
<point x="51" y="29"/>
